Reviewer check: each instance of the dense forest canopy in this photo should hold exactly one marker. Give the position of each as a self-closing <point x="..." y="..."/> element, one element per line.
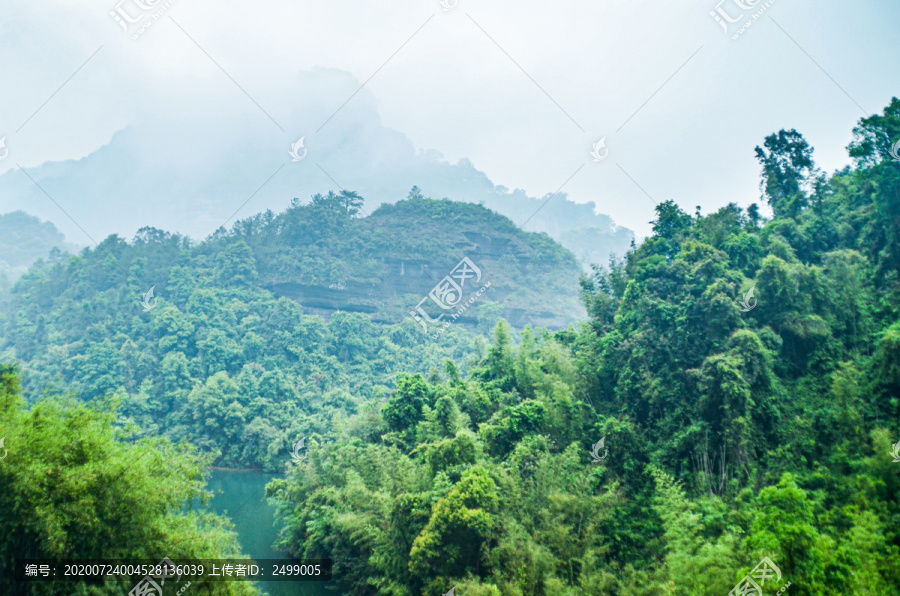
<point x="732" y="395"/>
<point x="225" y="363"/>
<point x="382" y="263"/>
<point x="743" y="375"/>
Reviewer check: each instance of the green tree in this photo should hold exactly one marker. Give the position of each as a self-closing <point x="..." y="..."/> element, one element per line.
<point x="73" y="487"/>
<point x="787" y="171"/>
<point x="459" y="533"/>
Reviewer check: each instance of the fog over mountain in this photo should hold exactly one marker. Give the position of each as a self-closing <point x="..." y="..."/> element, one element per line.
<point x="191" y="174"/>
<point x="23" y="240"/>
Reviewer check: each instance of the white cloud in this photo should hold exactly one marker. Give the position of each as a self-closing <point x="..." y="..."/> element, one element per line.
<point x="450" y="89"/>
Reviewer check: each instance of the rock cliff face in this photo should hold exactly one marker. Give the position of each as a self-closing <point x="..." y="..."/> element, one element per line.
<point x="386" y="264"/>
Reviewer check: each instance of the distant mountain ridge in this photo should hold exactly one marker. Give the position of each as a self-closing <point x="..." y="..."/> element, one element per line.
<point x="192" y="178"/>
<point x="23" y="240"/>
<point x="328" y="258"/>
<point x="325" y="258"/>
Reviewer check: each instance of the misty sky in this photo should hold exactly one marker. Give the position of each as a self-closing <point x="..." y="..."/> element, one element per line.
<point x="680" y="102"/>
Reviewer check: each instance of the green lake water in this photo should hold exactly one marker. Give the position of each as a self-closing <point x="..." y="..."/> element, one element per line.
<point x="241" y="496"/>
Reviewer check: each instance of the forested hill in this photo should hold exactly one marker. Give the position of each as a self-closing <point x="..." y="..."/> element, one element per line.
<point x="232" y="351"/>
<point x="733" y="397"/>
<point x="325" y="256"/>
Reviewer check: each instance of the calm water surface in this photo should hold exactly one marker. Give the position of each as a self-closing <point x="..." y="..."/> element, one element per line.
<point x="241" y="496"/>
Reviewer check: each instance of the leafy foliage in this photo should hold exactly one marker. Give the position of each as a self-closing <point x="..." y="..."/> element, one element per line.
<point x="72" y="486"/>
<point x="736" y="429"/>
<point x="733" y="433"/>
<point x="223" y="360"/>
